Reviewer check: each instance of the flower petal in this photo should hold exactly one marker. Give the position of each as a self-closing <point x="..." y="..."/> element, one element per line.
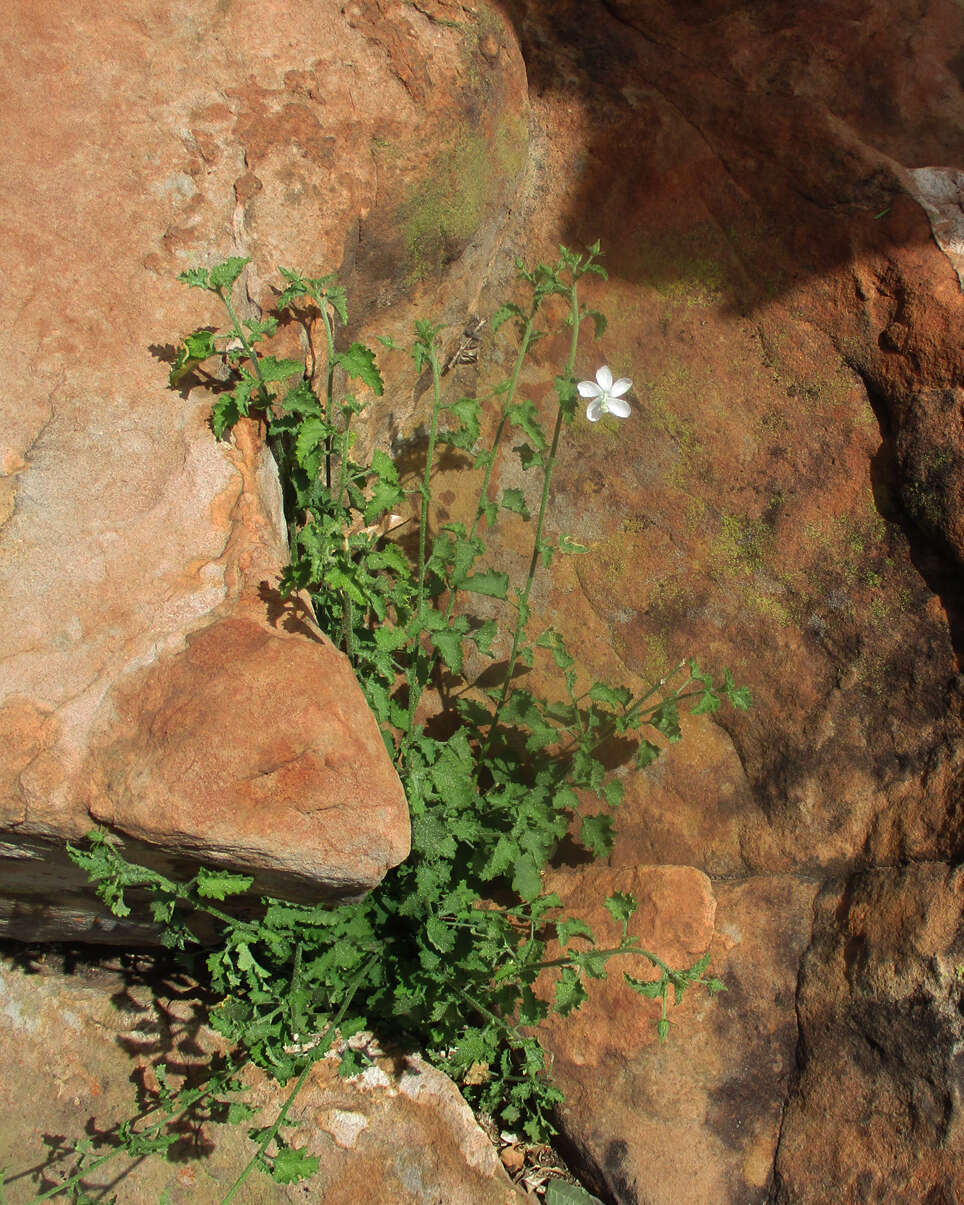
<point x="588" y="389"/>
<point x="620" y="387"/>
<point x="595" y="410"/>
<point x="605" y="378"/>
<point x="619" y="407"/>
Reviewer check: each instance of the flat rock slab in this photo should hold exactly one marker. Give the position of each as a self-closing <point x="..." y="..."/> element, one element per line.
<point x="398" y="1132"/>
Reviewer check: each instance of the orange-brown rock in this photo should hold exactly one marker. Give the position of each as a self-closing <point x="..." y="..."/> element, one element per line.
<point x="697" y="1118"/>
<point x="875" y="1113"/>
<point x="774" y="188"/>
<point x="148" y="677"/>
<point x="398" y="1132"/>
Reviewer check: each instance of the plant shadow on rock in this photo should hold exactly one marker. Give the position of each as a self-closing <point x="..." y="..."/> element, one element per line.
<point x="162" y="1011"/>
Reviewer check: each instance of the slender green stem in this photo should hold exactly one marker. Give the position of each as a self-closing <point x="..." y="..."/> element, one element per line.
<point x="570" y="961"/>
<point x="272" y="1131"/>
<point x="293" y="989"/>
<point x="635" y="706"/>
<point x="345" y="445"/>
<point x="426" y="487"/>
<point x="316" y="1054"/>
<point x="246" y="344"/>
<point x="322" y="304"/>
<point x="421" y="665"/>
<point x="487" y="476"/>
<point x="503" y="418"/>
<point x="154" y="1128"/>
<point x="523" y="600"/>
<point x="510" y="1030"/>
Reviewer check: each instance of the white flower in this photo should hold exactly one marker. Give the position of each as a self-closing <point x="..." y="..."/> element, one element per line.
<point x="606" y="395"/>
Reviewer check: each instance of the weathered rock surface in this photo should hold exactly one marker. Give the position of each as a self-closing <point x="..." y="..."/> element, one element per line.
<point x="697" y="1118"/>
<point x="399" y="1132"/>
<point x="881" y="1071"/>
<point x="149" y="678"/>
<point x="774" y="189"/>
<point x="771" y="188"/>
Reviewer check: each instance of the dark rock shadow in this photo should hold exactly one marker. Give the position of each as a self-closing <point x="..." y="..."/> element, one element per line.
<point x="761" y="162"/>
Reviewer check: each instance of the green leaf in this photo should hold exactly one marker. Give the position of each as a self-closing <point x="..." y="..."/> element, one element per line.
<point x="572" y="927"/>
<point x="488" y="582"/>
<point x="613" y="696"/>
<point x="739" y="696"/>
<point x="559" y="1192"/>
<point x="525" y="416"/>
<point x="261" y="328"/>
<point x="528" y="457"/>
<point x="665" y="719"/>
<point x="359" y="362"/>
<point x="653" y="989"/>
<point x="596" y="834"/>
<point x="219" y="884"/>
<point x="195" y="348"/>
<point x="309" y="447"/>
<point x="483" y="636"/>
<point x="526" y="879"/>
<point x="440" y="935"/>
<point x="514" y="500"/>
<point x="448" y="642"/>
<point x="570" y="546"/>
<point x="613" y="792"/>
<point x="301" y="400"/>
<point x="620" y="906"/>
<point x="289" y="1166"/>
<point x="224" y="414"/>
<point x="708" y="702"/>
<point x="197" y="278"/>
<point x="467" y="410"/>
<point x="505" y="311"/>
<point x="223" y="276"/>
<point x="297" y="287"/>
<point x="570" y="992"/>
<point x="599" y="322"/>
<point x="337" y="298"/>
<point x="568" y="396"/>
<point x="646" y="754"/>
<point x="552" y="640"/>
<point x="200" y="344"/>
<point x="273" y="369"/>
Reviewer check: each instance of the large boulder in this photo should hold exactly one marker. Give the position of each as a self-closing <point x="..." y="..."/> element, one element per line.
<point x="151" y="679"/>
<point x="774" y="187"/>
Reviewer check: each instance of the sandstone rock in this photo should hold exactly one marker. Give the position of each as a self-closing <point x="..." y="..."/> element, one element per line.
<point x="784" y="500"/>
<point x="399" y="1132"/>
<point x="697" y="1118"/>
<point x="940" y="191"/>
<point x="875" y="1112"/>
<point x="150" y="679"/>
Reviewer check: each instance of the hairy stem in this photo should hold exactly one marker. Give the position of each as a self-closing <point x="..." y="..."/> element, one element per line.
<point x="421" y="666"/>
<point x="330" y="379"/>
<point x="246" y="344"/>
<point x="316" y="1054"/>
<point x="523" y="607"/>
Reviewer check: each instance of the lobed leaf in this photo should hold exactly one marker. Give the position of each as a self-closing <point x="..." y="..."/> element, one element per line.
<point x="359" y="362"/>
